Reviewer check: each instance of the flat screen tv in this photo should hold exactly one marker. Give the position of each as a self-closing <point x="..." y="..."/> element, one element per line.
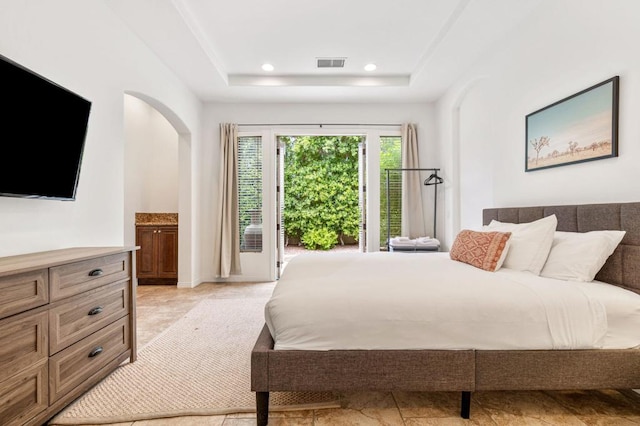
<point x="43" y="128"/>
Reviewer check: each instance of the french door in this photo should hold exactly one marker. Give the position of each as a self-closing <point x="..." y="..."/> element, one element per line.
<point x="362" y="196"/>
<point x="280" y="237"/>
<point x="280" y="201"/>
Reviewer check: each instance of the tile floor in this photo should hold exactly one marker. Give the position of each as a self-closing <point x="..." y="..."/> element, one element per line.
<point x="159" y="306"/>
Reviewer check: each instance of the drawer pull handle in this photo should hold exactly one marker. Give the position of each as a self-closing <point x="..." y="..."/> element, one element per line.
<point x="95" y="351"/>
<point x="96" y="310"/>
<point x="95" y="273"/>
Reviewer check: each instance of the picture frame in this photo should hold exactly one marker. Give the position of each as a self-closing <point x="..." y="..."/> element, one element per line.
<point x="579" y="128"/>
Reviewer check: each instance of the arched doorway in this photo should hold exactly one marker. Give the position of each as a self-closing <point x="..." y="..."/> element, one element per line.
<point x="182" y="186"/>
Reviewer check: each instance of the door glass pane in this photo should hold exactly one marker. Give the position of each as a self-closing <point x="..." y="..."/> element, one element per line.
<point x="362" y="192"/>
<point x="391" y="191"/>
<point x="250" y="193"/>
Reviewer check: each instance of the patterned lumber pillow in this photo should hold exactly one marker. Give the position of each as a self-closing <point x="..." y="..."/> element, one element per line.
<point x="484" y="250"/>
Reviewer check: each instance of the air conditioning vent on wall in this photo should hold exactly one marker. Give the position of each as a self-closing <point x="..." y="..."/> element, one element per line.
<point x="331" y="62"/>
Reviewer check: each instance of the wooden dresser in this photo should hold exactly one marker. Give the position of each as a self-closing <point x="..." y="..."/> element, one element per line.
<point x="67" y="319"/>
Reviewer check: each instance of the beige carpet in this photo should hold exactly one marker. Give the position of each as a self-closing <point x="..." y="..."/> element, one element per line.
<point x="198" y="366"/>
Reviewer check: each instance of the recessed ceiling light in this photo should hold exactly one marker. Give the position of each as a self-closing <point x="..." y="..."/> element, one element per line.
<point x="267" y="67"/>
<point x="370" y="67"/>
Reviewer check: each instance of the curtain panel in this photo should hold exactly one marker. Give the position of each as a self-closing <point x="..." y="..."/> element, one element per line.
<point x="412" y="208"/>
<point x="227" y="239"/>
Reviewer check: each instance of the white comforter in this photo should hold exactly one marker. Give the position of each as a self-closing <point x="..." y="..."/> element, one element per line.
<point x="427" y="301"/>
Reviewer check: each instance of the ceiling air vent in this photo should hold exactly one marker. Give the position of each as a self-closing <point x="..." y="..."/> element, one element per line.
<point x="331" y="62"/>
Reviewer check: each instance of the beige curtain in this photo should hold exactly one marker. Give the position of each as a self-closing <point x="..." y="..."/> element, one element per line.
<point x="227" y="238"/>
<point x="412" y="209"/>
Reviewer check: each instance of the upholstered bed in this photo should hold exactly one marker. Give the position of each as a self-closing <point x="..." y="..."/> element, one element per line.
<point x="454" y="366"/>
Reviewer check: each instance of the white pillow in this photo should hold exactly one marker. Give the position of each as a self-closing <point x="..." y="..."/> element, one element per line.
<point x="578" y="256"/>
<point x="529" y="244"/>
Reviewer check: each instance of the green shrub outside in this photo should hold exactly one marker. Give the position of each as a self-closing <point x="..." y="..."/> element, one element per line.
<point x="321" y="189"/>
<point x="319" y="239"/>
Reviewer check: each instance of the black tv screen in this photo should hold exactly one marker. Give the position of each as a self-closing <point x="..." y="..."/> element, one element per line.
<point x="43" y="130"/>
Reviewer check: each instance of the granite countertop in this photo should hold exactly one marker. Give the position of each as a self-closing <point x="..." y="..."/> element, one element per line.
<point x="156" y="219"/>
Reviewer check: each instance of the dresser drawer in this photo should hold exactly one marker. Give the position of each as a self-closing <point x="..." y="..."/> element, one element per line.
<point x="70" y="367"/>
<point x="23" y="291"/>
<point x="77" y="317"/>
<point x="78" y="277"/>
<point x="23" y="342"/>
<point x="24" y="395"/>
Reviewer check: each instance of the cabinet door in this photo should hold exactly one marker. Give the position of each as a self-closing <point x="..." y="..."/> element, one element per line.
<point x="146" y="263"/>
<point x="167" y="237"/>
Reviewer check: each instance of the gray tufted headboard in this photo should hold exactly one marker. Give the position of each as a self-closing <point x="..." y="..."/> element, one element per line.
<point x="623" y="266"/>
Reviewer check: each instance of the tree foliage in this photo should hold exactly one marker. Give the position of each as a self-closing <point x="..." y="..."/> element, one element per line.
<point x="321" y="189"/>
<point x="390" y="158"/>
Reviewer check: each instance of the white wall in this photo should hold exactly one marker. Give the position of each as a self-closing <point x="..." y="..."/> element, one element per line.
<point x="82" y="45"/>
<point x="565" y="47"/>
<point x="214" y="114"/>
<point x="151" y="163"/>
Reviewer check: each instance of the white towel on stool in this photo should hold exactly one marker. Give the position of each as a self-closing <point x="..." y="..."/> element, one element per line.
<point x="427" y="242"/>
<point x="402" y="242"/>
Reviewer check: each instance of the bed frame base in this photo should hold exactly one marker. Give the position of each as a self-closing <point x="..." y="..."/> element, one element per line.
<point x="262" y="407"/>
<point x="358" y="370"/>
<point x="434" y="370"/>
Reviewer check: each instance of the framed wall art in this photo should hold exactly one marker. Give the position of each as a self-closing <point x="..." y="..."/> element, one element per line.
<point x="582" y="127"/>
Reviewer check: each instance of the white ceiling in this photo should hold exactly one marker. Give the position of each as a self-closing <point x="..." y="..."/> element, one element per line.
<point x="420" y="47"/>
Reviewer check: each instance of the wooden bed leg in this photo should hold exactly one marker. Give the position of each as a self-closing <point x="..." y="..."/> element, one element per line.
<point x="262" y="408"/>
<point x="465" y="404"/>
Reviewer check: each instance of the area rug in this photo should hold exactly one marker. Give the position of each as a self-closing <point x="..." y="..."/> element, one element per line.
<point x="200" y="365"/>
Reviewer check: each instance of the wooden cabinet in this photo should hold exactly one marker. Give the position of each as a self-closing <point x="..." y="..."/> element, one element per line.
<point x="157" y="260"/>
<point x="67" y="320"/>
